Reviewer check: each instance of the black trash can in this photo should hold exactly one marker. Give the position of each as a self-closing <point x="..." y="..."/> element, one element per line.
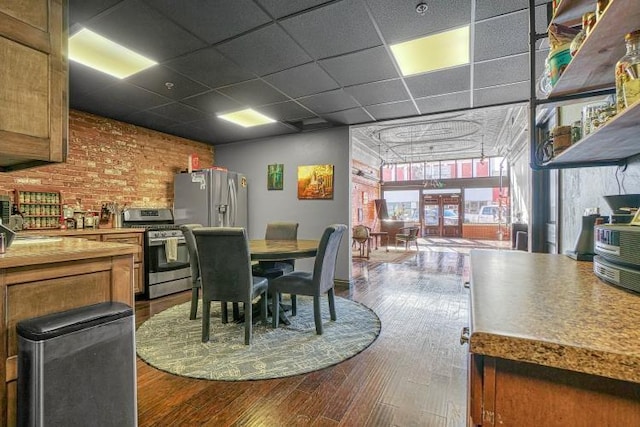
<point x="77" y="368"/>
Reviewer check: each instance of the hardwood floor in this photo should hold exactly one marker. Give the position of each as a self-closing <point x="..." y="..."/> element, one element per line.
<point x="414" y="374"/>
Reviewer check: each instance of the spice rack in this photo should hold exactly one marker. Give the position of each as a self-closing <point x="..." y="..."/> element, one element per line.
<point x="41" y="209"/>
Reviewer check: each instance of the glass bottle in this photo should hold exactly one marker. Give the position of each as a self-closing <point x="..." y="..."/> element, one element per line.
<point x="627" y="73"/>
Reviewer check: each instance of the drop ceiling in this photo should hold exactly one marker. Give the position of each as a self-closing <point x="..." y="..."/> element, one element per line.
<point x="308" y="64"/>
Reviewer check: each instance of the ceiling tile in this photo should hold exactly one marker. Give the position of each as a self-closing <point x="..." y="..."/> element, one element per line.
<point x="214" y="21"/>
<point x="449" y="80"/>
<point x="156" y="79"/>
<point x="280" y="8"/>
<point x="328" y="102"/>
<point x="392" y="110"/>
<point x="335" y="29"/>
<point x="379" y="92"/>
<point x="488" y="9"/>
<point x="212" y="102"/>
<point x="513" y="26"/>
<point x="285" y="111"/>
<point x="210" y="67"/>
<point x="137" y="98"/>
<point x="514" y="92"/>
<point x="398" y="20"/>
<point x="84" y="80"/>
<point x="303" y="80"/>
<point x="195" y="133"/>
<point x="150" y="120"/>
<point x="506" y="70"/>
<point x="95" y="104"/>
<point x="83" y="10"/>
<point x="351" y="116"/>
<point x="366" y="66"/>
<point x="447" y="102"/>
<point x="179" y="112"/>
<point x="145" y="31"/>
<point x="265" y="51"/>
<point x="253" y="93"/>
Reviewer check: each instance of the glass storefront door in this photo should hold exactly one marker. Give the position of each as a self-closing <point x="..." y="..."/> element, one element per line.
<point x="442" y="215"/>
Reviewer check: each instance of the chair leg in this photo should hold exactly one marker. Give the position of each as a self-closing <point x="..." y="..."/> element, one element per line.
<point x="275" y="310"/>
<point x="248" y="323"/>
<point x="263" y="308"/>
<point x="236" y="311"/>
<point x="417" y="247"/>
<point x="294" y="305"/>
<point x="317" y="314"/>
<point x="332" y="304"/>
<point x="206" y="313"/>
<point x="224" y="312"/>
<point x="194" y="303"/>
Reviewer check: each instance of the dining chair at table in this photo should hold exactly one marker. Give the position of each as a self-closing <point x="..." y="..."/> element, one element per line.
<point x="408" y="235"/>
<point x="225" y="268"/>
<point x="196" y="282"/>
<point x="361" y="235"/>
<point x="273" y="269"/>
<point x="315" y="283"/>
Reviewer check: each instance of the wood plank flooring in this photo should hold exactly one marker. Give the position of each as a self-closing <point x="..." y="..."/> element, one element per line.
<point x="414" y="374"/>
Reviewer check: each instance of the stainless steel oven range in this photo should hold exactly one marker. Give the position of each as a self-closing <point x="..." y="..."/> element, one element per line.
<point x="166" y="258"/>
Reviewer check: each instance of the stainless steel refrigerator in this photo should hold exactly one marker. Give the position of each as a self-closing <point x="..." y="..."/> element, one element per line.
<point x="211" y="197"/>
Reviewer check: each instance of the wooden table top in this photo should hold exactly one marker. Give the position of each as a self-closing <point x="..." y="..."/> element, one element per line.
<point x="265" y="250"/>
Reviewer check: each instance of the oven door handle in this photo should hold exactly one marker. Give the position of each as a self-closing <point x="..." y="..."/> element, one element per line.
<point x="160" y="241"/>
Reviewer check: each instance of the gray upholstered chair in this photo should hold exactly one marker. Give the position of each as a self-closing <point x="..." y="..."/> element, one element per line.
<point x="273" y="269"/>
<point x="190" y="240"/>
<point x="408" y="235"/>
<point x="314" y="284"/>
<point x="225" y="268"/>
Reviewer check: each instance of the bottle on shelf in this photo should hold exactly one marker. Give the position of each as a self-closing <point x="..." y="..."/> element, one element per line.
<point x="627" y="73"/>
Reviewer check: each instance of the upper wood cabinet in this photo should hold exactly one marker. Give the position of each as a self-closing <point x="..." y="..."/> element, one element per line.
<point x="33" y="83"/>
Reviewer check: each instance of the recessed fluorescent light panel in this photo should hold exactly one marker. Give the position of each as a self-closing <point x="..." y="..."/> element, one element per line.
<point x="434" y="52"/>
<point x="246" y="118"/>
<point x="95" y="51"/>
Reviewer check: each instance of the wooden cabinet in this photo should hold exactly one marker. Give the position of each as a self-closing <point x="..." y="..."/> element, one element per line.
<point x="33" y="83"/>
<point x="40" y="207"/>
<point x="509" y="393"/>
<point x="592" y="69"/>
<point x="138" y="258"/>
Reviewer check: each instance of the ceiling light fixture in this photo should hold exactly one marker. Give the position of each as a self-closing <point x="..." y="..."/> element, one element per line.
<point x="435" y="52"/>
<point x="246" y="118"/>
<point x="98" y="52"/>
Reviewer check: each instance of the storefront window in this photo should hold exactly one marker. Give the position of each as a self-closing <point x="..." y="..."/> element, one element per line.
<point x="486" y="206"/>
<point x="403" y="205"/>
<point x="432" y="170"/>
<point x="448" y="169"/>
<point x="417" y="171"/>
<point x="389" y="173"/>
<point x="402" y="172"/>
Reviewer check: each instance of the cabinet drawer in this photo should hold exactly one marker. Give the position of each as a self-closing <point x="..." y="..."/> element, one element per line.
<point x="131" y="239"/>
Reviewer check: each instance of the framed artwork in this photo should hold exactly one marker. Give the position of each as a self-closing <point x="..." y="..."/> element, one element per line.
<point x="275" y="175"/>
<point x="315" y="182"/>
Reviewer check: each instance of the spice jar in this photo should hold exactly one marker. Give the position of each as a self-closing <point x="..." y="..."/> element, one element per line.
<point x="627" y="73"/>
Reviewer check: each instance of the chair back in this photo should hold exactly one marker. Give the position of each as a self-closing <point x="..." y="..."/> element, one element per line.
<point x="225" y="263"/>
<point x="325" y="265"/>
<point x="361" y="233"/>
<point x="413" y="233"/>
<point x="281" y="231"/>
<point x="190" y="241"/>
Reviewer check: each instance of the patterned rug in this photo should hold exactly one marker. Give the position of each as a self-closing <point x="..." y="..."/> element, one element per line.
<point x="171" y="342"/>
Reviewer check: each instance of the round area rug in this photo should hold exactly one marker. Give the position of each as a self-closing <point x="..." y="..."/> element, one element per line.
<point x="171" y="342"/>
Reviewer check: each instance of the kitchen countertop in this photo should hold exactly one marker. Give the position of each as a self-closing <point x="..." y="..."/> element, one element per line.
<point x="551" y="310"/>
<point x="80" y="232"/>
<point x="60" y="250"/>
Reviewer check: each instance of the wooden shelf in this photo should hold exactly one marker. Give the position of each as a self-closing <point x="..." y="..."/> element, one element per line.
<point x="615" y="141"/>
<point x="593" y="66"/>
<point x="569" y="12"/>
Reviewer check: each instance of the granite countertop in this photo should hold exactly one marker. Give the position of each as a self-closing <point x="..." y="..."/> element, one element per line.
<point x="81" y="231"/>
<point x="553" y="311"/>
<point x="60" y="249"/>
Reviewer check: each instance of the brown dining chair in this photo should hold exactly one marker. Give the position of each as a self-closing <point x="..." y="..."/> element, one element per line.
<point x="362" y="238"/>
<point x="408" y="235"/>
<point x="225" y="269"/>
<point x="317" y="283"/>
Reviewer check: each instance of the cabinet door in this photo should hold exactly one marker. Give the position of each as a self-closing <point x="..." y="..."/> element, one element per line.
<point x="474" y="390"/>
<point x="33" y="83"/>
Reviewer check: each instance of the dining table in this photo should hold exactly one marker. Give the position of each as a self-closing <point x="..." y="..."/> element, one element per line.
<point x="278" y="250"/>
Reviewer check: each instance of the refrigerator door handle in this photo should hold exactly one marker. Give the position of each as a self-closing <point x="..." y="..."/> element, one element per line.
<point x="233" y="203"/>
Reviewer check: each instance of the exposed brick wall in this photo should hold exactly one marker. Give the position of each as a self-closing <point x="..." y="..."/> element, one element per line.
<point x="112" y="161"/>
<point x="367" y="189"/>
